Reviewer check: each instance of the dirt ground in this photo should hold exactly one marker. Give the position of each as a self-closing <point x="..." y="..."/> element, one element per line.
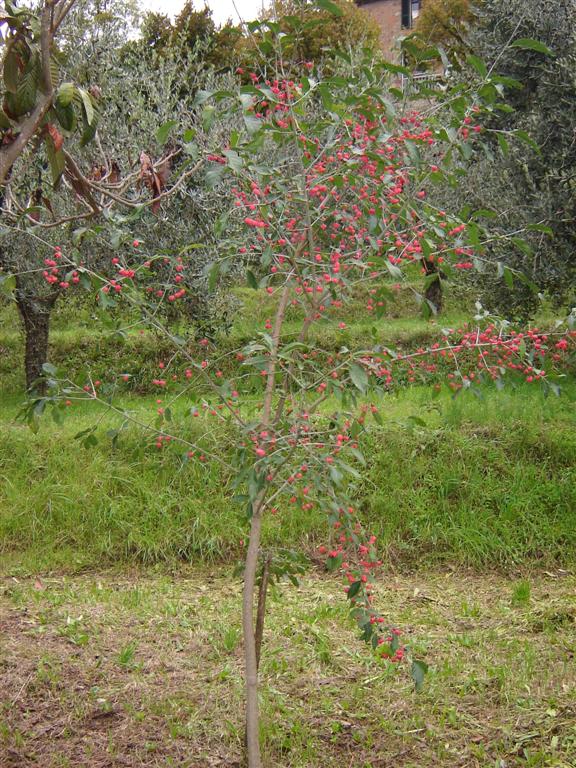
<point x="101" y="670"/>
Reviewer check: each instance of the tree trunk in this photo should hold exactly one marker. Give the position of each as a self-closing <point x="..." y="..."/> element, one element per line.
<point x="433" y="292"/>
<point x="250" y="661"/>
<point x="35" y="313"/>
<point x="251" y="658"/>
<point x="261" y="610"/>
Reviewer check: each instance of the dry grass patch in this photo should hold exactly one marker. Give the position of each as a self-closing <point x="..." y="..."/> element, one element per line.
<point x="143" y="670"/>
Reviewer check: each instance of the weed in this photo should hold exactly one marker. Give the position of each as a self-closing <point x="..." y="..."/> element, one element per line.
<point x="521" y="593"/>
<point x="127" y="654"/>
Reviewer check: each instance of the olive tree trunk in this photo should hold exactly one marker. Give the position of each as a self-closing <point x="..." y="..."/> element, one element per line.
<point x="433" y="291"/>
<point x="35" y="314"/>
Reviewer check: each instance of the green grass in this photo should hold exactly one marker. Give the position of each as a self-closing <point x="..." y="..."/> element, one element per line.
<point x="80" y="343"/>
<point x="488" y="483"/>
<point x="145" y="670"/>
<point x="493" y="486"/>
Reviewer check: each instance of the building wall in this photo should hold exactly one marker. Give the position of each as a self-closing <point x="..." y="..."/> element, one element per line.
<point x="387" y="15"/>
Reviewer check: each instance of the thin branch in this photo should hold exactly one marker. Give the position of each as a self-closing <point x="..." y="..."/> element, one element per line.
<point x="143" y="203"/>
<point x="46" y="40"/>
<point x="278" y="322"/>
<point x="65" y="10"/>
<point x="11" y="152"/>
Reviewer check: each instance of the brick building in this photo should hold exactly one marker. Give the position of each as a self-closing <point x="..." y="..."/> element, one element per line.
<point x="393" y="17"/>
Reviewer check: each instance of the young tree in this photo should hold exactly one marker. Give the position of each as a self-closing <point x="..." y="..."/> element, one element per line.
<point x="330" y="197"/>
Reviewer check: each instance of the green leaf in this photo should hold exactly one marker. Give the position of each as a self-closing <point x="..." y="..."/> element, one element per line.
<point x="219" y="95"/>
<point x="7" y="284"/>
<point x="89" y="117"/>
<point x="65" y="94"/>
<point x="413" y="152"/>
<point x="87" y="106"/>
<point x="540" y="228"/>
<point x="509" y="82"/>
<point x="484" y="213"/>
<point x="83" y="433"/>
<point x="426" y="308"/>
<point x="326" y="96"/>
<point x="208" y="114"/>
<point x="28" y="83"/>
<point x="465" y="149"/>
<point x="201" y="97"/>
<point x="188" y="135"/>
<point x="507" y="108"/>
<point x="504" y="147"/>
<point x="327" y="5"/>
<point x="164" y="131"/>
<point x="353" y="589"/>
<point x="529" y="44"/>
<point x="214" y="175"/>
<point x="523" y="246"/>
<point x="527" y="139"/>
<point x="234" y="160"/>
<point x="430" y="279"/>
<point x="418" y="421"/>
<point x="253" y="124"/>
<point x="359" y="377"/>
<point x="477" y="64"/>
<point x="66" y="116"/>
<point x="418" y="672"/>
<point x="56" y="160"/>
<point x="191" y="149"/>
<point x="11" y="71"/>
<point x="105" y="300"/>
<point x="395" y="68"/>
<point x="251" y="279"/>
<point x="393" y="269"/>
<point x="508" y="277"/>
<point x="347" y="469"/>
<point x="213" y="274"/>
<point x="334" y="562"/>
<point x="358" y="455"/>
<point x="336" y="476"/>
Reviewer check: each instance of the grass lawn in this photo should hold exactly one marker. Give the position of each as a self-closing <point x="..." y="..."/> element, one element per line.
<point x="486" y="483"/>
<point x="138" y="670"/>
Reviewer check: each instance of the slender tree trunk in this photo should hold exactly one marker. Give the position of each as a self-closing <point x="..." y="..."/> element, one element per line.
<point x="261" y="610"/>
<point x="250" y="660"/>
<point x="251" y="564"/>
<point x="35" y="313"/>
<point x="433" y="292"/>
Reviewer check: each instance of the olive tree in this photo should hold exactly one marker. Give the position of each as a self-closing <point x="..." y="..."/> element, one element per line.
<point x="524" y="178"/>
<point x="103" y="151"/>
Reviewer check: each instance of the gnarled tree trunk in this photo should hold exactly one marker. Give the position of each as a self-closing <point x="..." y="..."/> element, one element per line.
<point x="35" y="313"/>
